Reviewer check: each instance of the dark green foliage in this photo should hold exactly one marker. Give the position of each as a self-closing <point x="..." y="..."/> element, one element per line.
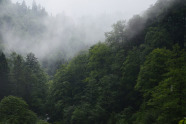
<point x="36" y="79"/>
<point x="158" y="38"/>
<point x="14" y="110"/>
<point x="28" y="81"/>
<point x="68" y="87"/>
<point x="17" y="75"/>
<point x="130" y="70"/>
<point x="4" y="71"/>
<point x="174" y="21"/>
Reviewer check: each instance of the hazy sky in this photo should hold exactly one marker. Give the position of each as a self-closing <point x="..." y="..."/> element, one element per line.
<point x="93" y="7"/>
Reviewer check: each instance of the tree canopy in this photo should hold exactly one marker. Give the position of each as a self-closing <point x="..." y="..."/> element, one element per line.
<point x="136" y="76"/>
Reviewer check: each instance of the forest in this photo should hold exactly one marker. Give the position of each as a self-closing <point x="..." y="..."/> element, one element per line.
<point x="137" y="75"/>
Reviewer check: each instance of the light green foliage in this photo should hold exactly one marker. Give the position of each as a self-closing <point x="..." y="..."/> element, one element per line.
<point x="151" y="72"/>
<point x="163" y="86"/>
<point x="182" y="121"/>
<point x="14" y="110"/>
<point x="102" y="82"/>
<point x="169" y="96"/>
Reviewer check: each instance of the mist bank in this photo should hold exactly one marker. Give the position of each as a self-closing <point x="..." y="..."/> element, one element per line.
<point x="55" y="39"/>
<point x="26" y="30"/>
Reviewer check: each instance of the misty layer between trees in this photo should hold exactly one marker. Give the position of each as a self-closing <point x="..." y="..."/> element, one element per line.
<point x="53" y="39"/>
<point x="136" y="76"/>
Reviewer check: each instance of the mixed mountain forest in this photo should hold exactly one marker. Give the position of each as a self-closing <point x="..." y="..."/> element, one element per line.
<point x="136" y="76"/>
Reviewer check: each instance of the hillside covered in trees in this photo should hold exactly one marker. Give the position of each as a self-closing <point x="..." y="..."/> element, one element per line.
<point x="136" y="76"/>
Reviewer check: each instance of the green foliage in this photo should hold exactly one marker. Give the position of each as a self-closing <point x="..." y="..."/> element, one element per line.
<point x="116" y="37"/>
<point x="14" y="110"/>
<point x="136" y="77"/>
<point x="163" y="89"/>
<point x="68" y="87"/>
<point x="27" y="82"/>
<point x="42" y="122"/>
<point x="125" y="116"/>
<point x="130" y="70"/>
<point x="4" y="71"/>
<point x="158" y="37"/>
<point x="79" y="116"/>
<point x="152" y="70"/>
<point x="182" y="121"/>
<point x="171" y="91"/>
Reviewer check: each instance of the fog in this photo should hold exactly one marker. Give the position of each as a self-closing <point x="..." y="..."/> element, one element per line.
<point x="69" y="26"/>
<point x="79" y="8"/>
